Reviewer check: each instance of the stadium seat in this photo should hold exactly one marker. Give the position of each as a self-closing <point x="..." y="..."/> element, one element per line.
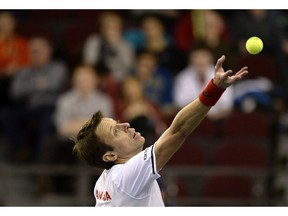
<point x="254" y="124"/>
<point x="189" y="154"/>
<point x="207" y="128"/>
<point x="235" y="153"/>
<point x="227" y="187"/>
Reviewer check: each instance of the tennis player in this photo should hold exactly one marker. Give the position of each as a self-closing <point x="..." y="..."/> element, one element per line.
<point x="130" y="173"/>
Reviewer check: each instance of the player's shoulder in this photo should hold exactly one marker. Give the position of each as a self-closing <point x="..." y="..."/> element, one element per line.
<point x="117" y="170"/>
<point x="114" y="172"/>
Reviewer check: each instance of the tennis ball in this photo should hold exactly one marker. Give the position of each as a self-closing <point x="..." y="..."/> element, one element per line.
<point x="254" y="45"/>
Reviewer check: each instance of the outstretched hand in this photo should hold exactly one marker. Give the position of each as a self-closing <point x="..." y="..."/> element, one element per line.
<point x="224" y="79"/>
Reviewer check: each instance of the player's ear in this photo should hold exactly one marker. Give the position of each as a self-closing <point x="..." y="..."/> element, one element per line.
<point x="109" y="156"/>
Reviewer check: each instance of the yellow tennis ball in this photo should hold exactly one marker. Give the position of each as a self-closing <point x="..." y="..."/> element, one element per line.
<point x="254" y="45"/>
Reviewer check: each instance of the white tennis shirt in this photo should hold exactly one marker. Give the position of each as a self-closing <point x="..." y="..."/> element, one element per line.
<point x="130" y="184"/>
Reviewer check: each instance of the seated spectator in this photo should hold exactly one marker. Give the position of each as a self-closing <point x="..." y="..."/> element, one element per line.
<point x="206" y="26"/>
<point x="168" y="16"/>
<point x="107" y="82"/>
<point x="190" y="82"/>
<point x="159" y="42"/>
<point x="135" y="108"/>
<point x="157" y="81"/>
<point x="109" y="47"/>
<point x="13" y="54"/>
<point x="35" y="90"/>
<point x="13" y="48"/>
<point x="77" y="105"/>
<point x="73" y="109"/>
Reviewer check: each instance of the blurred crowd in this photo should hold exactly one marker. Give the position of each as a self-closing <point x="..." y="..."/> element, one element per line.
<point x="58" y="67"/>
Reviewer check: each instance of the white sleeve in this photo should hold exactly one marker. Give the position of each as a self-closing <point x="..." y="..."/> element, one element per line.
<point x="138" y="174"/>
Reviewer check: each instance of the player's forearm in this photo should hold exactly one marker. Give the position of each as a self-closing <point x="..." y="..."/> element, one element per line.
<point x="189" y="117"/>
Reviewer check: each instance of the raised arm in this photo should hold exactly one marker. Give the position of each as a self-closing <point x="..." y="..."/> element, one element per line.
<point x="189" y="117"/>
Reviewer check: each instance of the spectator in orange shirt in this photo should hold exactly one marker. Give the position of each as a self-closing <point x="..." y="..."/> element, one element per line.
<point x="13" y="48"/>
<point x="13" y="54"/>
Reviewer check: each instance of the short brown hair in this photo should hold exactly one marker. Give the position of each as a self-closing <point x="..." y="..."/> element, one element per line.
<point x="89" y="147"/>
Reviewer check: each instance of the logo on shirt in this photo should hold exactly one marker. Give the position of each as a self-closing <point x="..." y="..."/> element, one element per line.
<point x="145" y="154"/>
<point x="103" y="195"/>
<point x="207" y="95"/>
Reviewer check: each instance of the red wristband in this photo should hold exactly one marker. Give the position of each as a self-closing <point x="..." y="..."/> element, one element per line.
<point x="211" y="94"/>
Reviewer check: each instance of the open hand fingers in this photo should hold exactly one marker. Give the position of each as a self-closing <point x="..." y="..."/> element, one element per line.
<point x="242" y="72"/>
<point x="224" y="79"/>
<point x="228" y="73"/>
<point x="239" y="75"/>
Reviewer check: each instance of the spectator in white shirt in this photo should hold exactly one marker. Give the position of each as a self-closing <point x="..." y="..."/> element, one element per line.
<point x="190" y="82"/>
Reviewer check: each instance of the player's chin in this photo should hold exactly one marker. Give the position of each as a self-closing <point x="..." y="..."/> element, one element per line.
<point x="142" y="143"/>
<point x="140" y="140"/>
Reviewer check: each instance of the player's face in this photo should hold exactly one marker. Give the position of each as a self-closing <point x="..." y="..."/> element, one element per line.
<point x="125" y="140"/>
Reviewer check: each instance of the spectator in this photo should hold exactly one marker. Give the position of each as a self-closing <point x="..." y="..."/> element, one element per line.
<point x="13" y="54"/>
<point x="13" y="48"/>
<point x="107" y="83"/>
<point x="159" y="42"/>
<point x="135" y="108"/>
<point x="73" y="109"/>
<point x="167" y="16"/>
<point x="206" y="26"/>
<point x="157" y="81"/>
<point x="189" y="83"/>
<point x="77" y="105"/>
<point x="109" y="47"/>
<point x="35" y="90"/>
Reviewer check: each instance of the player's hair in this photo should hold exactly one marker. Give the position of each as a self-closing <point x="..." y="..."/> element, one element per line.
<point x="89" y="147"/>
